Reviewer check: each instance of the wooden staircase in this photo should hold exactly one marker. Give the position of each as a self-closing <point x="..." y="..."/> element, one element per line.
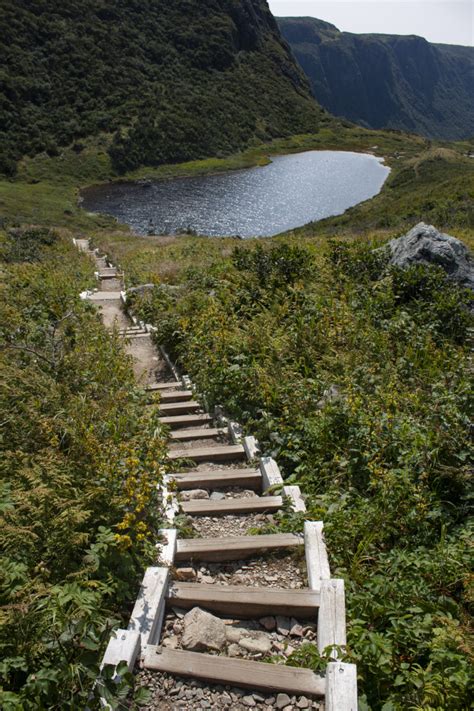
<point x="209" y="457"/>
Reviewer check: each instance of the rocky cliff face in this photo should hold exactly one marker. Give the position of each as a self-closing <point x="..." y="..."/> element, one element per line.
<point x="387" y="81"/>
<point x="169" y="80"/>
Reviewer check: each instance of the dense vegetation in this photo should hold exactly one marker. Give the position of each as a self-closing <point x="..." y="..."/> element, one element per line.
<point x="79" y="462"/>
<point x="356" y="377"/>
<point x="163" y="81"/>
<point x="386" y="81"/>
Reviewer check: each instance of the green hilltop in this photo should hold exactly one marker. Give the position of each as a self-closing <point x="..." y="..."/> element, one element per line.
<point x="165" y="81"/>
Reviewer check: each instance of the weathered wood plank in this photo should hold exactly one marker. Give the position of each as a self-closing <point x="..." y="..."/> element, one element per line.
<point x="197" y="433"/>
<point x="246" y="478"/>
<point x="176" y="421"/>
<point x="179" y="408"/>
<point x="147" y="615"/>
<point x="206" y="507"/>
<point x="317" y="561"/>
<point x="294" y="494"/>
<point x="244" y="601"/>
<point x="228" y="452"/>
<point x="234" y="548"/>
<point x="167" y="549"/>
<point x="176" y="396"/>
<point x="235" y="672"/>
<point x="235" y="432"/>
<point x="163" y="386"/>
<point x="332" y="617"/>
<point x="251" y="447"/>
<point x="271" y="475"/>
<point x="123" y="646"/>
<point x="341" y="687"/>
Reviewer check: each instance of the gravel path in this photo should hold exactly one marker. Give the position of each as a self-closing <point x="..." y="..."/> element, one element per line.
<point x="173" y="694"/>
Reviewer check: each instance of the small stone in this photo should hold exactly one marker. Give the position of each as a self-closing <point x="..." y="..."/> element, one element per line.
<point x="282" y="700"/>
<point x="256" y="645"/>
<point x="303" y="703"/>
<point x="296" y="630"/>
<point x="217" y="496"/>
<point x="233" y="634"/>
<point x="184" y="574"/>
<point x="206" y="579"/>
<point x="171" y="643"/>
<point x="283" y="625"/>
<point x="248" y="701"/>
<point x="193" y="494"/>
<point x="269" y="623"/>
<point x="233" y="650"/>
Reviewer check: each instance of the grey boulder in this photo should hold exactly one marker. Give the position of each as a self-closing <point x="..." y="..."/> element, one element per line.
<point x="202" y="631"/>
<point x="425" y="245"/>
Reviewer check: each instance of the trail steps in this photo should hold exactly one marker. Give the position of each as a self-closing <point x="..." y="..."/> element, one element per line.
<point x="222" y="476"/>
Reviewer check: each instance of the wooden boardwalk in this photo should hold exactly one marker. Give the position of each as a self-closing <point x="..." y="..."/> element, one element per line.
<point x="211" y="455"/>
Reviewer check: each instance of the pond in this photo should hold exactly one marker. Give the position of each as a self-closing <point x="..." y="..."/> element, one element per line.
<point x="289" y="192"/>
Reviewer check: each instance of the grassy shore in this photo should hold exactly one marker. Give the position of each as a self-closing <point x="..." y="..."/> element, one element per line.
<point x="46" y="189"/>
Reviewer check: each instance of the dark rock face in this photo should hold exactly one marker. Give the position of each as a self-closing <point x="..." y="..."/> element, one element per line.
<point x="425" y="245"/>
<point x="387" y="81"/>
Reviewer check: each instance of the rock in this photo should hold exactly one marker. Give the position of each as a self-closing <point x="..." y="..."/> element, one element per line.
<point x="217" y="496"/>
<point x="283" y="625"/>
<point x="233" y="650"/>
<point x="184" y="574"/>
<point x="257" y="645"/>
<point x="296" y="630"/>
<point x="269" y="623"/>
<point x="208" y="579"/>
<point x="282" y="700"/>
<point x="425" y="245"/>
<point x="233" y="634"/>
<point x="202" y="631"/>
<point x="248" y="701"/>
<point x="194" y="494"/>
<point x="171" y="643"/>
<point x="303" y="703"/>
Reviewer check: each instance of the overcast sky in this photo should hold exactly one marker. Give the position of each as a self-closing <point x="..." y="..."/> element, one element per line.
<point x="447" y="21"/>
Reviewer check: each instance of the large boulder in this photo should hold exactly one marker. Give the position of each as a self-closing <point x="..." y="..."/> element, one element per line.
<point x="202" y="631"/>
<point x="425" y="245"/>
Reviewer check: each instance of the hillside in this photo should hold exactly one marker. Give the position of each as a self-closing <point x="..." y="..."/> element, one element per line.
<point x="162" y="82"/>
<point x="387" y="81"/>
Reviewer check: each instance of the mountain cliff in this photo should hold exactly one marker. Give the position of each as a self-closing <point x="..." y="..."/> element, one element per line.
<point x="387" y="81"/>
<point x="163" y="81"/>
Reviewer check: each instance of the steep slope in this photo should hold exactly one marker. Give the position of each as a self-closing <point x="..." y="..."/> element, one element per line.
<point x="170" y="81"/>
<point x="387" y="81"/>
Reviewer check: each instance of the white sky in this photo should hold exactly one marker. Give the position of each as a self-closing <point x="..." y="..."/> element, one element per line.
<point x="446" y="21"/>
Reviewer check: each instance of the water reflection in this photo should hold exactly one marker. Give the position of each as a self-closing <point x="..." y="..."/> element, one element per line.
<point x="292" y="191"/>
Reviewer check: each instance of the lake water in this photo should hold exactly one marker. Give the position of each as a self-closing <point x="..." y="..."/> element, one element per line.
<point x="289" y="192"/>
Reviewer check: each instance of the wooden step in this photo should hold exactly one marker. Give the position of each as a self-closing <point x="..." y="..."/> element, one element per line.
<point x="246" y="478"/>
<point x="176" y="396"/>
<point x="221" y="453"/>
<point x="197" y="433"/>
<point x="175" y="422"/>
<point x="245" y="602"/>
<point x="270" y="678"/>
<point x="254" y="504"/>
<point x="133" y="334"/>
<point x="234" y="547"/>
<point x="163" y="386"/>
<point x="180" y="408"/>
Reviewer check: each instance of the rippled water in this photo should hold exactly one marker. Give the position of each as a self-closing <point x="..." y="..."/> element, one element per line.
<point x="289" y="192"/>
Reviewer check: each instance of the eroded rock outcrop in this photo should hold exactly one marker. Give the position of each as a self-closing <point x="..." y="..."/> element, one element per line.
<point x="425" y="245"/>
